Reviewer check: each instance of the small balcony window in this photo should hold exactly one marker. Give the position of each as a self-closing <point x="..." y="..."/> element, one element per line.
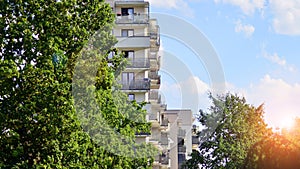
<point x="131" y="97"/>
<point x="127" y="32"/>
<point x="127" y="11"/>
<point x="129" y="54"/>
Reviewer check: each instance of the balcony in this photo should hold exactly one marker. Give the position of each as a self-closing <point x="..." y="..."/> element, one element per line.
<point x="155" y="84"/>
<point x="132" y="19"/>
<point x="136" y="3"/>
<point x="138" y="63"/>
<point x="155" y="39"/>
<point x="155" y="80"/>
<point x="154" y="29"/>
<point x="143" y="84"/>
<point x="133" y="42"/>
<point x="154" y="32"/>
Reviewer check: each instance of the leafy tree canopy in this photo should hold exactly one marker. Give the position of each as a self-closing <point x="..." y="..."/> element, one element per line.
<point x="41" y="43"/>
<point x="238" y="126"/>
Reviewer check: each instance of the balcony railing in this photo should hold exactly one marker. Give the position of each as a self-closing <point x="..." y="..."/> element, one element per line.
<point x="138" y="63"/>
<point x="143" y="84"/>
<point x="135" y="19"/>
<point x="133" y="42"/>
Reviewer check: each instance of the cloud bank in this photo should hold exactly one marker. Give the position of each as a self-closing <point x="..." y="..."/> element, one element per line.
<point x="281" y="99"/>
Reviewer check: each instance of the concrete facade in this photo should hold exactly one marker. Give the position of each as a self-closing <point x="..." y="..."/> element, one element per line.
<point x="139" y="39"/>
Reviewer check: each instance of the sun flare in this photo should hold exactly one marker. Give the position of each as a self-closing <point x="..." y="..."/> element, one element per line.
<point x="287" y="123"/>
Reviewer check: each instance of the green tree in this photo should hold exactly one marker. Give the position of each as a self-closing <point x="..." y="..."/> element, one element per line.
<point x="41" y="42"/>
<point x="238" y="127"/>
<point x="275" y="152"/>
<point x="194" y="162"/>
<point x="293" y="133"/>
<point x="279" y="150"/>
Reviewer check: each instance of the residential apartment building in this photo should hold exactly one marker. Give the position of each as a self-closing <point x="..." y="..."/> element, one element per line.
<point x="139" y="39"/>
<point x="180" y="134"/>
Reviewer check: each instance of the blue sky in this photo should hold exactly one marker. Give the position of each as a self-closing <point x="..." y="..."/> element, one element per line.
<point x="257" y="42"/>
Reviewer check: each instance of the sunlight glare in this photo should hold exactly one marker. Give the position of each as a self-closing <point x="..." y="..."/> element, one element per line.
<point x="287" y="123"/>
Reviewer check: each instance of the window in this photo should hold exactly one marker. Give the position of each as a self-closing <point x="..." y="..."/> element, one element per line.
<point x="129" y="54"/>
<point x="111" y="55"/>
<point x="127" y="77"/>
<point x="180" y="142"/>
<point x="127" y="32"/>
<point x="127" y="11"/>
<point x="181" y="158"/>
<point x="131" y="97"/>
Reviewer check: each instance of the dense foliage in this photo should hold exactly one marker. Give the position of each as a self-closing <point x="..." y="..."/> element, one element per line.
<point x="280" y="150"/>
<point x="239" y="126"/>
<point x="274" y="152"/>
<point x="241" y="139"/>
<point x="41" y="43"/>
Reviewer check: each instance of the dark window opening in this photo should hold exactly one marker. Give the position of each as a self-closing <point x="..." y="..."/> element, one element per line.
<point x="127" y="11"/>
<point x="129" y="54"/>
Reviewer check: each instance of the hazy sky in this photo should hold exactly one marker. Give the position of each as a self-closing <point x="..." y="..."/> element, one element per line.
<point x="257" y="43"/>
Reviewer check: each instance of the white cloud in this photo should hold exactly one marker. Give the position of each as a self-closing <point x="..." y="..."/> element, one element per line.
<point x="281" y="99"/>
<point x="248" y="30"/>
<point x="247" y="6"/>
<point x="196" y="85"/>
<point x="286" y="16"/>
<point x="192" y="94"/>
<point x="286" y="13"/>
<point x="171" y="89"/>
<point x="180" y="5"/>
<point x="192" y="86"/>
<point x="275" y="58"/>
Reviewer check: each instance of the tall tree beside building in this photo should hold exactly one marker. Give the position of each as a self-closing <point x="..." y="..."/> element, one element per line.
<point x="274" y="152"/>
<point x="40" y="44"/>
<point x="239" y="126"/>
<point x="279" y="150"/>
